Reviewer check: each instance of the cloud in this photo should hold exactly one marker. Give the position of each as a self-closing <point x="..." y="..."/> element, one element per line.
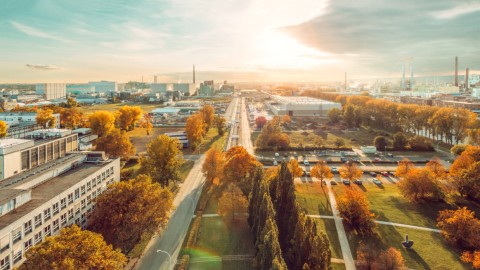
<point x="457" y="11"/>
<point x="36" y="32"/>
<point x="42" y="67"/>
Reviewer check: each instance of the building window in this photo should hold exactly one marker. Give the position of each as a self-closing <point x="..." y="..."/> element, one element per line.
<point x="27" y="227"/>
<point x="25" y="160"/>
<point x="82" y="190"/>
<point x="47" y="231"/>
<point x="41" y="155"/>
<point x="77" y="193"/>
<point x="89" y="199"/>
<point x="55" y="208"/>
<point x="63" y="203"/>
<point x="94" y="183"/>
<point x="56" y="149"/>
<point x="83" y="204"/>
<point x="70" y="214"/>
<point x="5" y="263"/>
<point x="63" y="219"/>
<point x="46" y="214"/>
<point x="17" y="256"/>
<point x="34" y="157"/>
<point x="49" y="151"/>
<point x="4" y="243"/>
<point x="55" y="225"/>
<point x="38" y="220"/>
<point x="89" y="186"/>
<point x="17" y="234"/>
<point x="70" y="198"/>
<point x="77" y="208"/>
<point x="37" y="238"/>
<point x="27" y="244"/>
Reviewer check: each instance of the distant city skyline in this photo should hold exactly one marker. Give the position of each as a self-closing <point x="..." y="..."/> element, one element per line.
<point x="261" y="40"/>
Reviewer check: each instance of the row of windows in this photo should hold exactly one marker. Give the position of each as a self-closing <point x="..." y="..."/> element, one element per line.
<point x="56" y="207"/>
<point x="44" y="153"/>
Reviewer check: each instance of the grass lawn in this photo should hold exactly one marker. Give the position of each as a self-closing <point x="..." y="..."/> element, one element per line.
<point x="217" y="238"/>
<point x="430" y="250"/>
<point x="185" y="169"/>
<point x="212" y="139"/>
<point x="313" y="198"/>
<point x="338" y="266"/>
<point x="140" y="139"/>
<point x="113" y="107"/>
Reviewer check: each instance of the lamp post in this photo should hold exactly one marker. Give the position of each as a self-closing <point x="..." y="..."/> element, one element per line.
<point x="385" y="150"/>
<point x="169" y="258"/>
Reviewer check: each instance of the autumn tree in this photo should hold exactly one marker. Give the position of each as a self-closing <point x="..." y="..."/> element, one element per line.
<point x="101" y="122"/>
<point x="272" y="135"/>
<point x="350" y="171"/>
<point x="219" y="123"/>
<point x="399" y="141"/>
<point x="294" y="168"/>
<point x="335" y="115"/>
<point x="322" y="171"/>
<point x="472" y="257"/>
<point x="46" y="118"/>
<point x="420" y="143"/>
<point x="3" y="129"/>
<point x="435" y="166"/>
<point x="74" y="249"/>
<point x="349" y="115"/>
<point x="239" y="164"/>
<point x="419" y="184"/>
<point x="460" y="227"/>
<point x="354" y="209"/>
<point x="232" y="203"/>
<point x="146" y="123"/>
<point x="468" y="183"/>
<point x="470" y="155"/>
<point x="163" y="160"/>
<point x="71" y="117"/>
<point x="260" y="121"/>
<point x="458" y="149"/>
<point x="370" y="258"/>
<point x="286" y="120"/>
<point x="71" y="103"/>
<point x="404" y="166"/>
<point x="116" y="143"/>
<point x="380" y="143"/>
<point x="129" y="209"/>
<point x="367" y="256"/>
<point x="195" y="130"/>
<point x="339" y="142"/>
<point x="128" y="116"/>
<point x="213" y="165"/>
<point x="208" y="114"/>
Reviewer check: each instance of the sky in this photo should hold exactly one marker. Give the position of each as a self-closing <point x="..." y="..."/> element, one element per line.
<point x="235" y="40"/>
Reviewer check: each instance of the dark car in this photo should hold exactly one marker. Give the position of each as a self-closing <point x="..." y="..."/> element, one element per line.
<point x="358" y="182"/>
<point x="343" y="159"/>
<point x="373" y="174"/>
<point x="346" y="182"/>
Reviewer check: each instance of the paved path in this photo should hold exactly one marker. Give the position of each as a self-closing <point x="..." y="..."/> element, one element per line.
<point x="342" y="236"/>
<point x="176" y="230"/>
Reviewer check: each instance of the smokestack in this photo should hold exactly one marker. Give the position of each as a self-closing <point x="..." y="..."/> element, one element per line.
<point x="155" y="79"/>
<point x="411" y="76"/>
<point x="466" y="80"/>
<point x="193" y="74"/>
<point x="403" y="77"/>
<point x="345" y="81"/>
<point x="456" y="71"/>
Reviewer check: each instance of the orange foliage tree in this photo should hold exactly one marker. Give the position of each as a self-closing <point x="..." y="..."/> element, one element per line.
<point x="116" y="143"/>
<point x="213" y="165"/>
<point x="294" y="168"/>
<point x="419" y="184"/>
<point x="472" y="257"/>
<point x="208" y="114"/>
<point x="128" y="116"/>
<point x="239" y="163"/>
<point x="436" y="168"/>
<point x="322" y="171"/>
<point x="404" y="166"/>
<point x="350" y="171"/>
<point x="195" y="130"/>
<point x="355" y="211"/>
<point x="232" y="203"/>
<point x="460" y="227"/>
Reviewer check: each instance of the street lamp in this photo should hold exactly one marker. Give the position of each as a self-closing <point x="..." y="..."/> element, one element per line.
<point x="169" y="258"/>
<point x="385" y="150"/>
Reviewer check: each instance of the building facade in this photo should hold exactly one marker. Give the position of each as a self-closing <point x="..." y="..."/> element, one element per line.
<point x="51" y="91"/>
<point x="188" y="89"/>
<point x="104" y="86"/>
<point x="206" y="89"/>
<point x="24" y="118"/>
<point x="300" y="106"/>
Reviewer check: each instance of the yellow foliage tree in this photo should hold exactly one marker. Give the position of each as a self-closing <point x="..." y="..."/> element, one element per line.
<point x="438" y="170"/>
<point x="321" y="171"/>
<point x="355" y="211"/>
<point x="419" y="184"/>
<point x="232" y="203"/>
<point x="3" y="129"/>
<point x="71" y="118"/>
<point x="350" y="171"/>
<point x="213" y="165"/>
<point x="116" y="143"/>
<point x="101" y="122"/>
<point x="404" y="166"/>
<point x="129" y="209"/>
<point x="294" y="168"/>
<point x="239" y="164"/>
<point x="45" y="118"/>
<point x="195" y="130"/>
<point x="74" y="249"/>
<point x="128" y="116"/>
<point x="208" y="114"/>
<point x="472" y="257"/>
<point x="147" y="123"/>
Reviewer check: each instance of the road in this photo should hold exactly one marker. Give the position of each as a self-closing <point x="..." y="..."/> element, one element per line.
<point x="185" y="202"/>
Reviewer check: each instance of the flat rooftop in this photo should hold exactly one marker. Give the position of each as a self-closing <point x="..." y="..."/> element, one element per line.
<point x="50" y="189"/>
<point x="7" y="143"/>
<point x="9" y="193"/>
<point x="300" y="100"/>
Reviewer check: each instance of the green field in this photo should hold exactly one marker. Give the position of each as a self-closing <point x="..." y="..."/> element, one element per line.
<point x="313" y="198"/>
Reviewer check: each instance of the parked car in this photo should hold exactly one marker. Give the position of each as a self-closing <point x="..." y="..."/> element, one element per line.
<point x="334" y="170"/>
<point x="385" y="174"/>
<point x="275" y="163"/>
<point x="285" y="154"/>
<point x="358" y="182"/>
<point x="390" y="155"/>
<point x="333" y="183"/>
<point x="277" y="154"/>
<point x="376" y="181"/>
<point x="343" y="159"/>
<point x="377" y="159"/>
<point x="306" y="163"/>
<point x="373" y="174"/>
<point x="308" y="173"/>
<point x="346" y="182"/>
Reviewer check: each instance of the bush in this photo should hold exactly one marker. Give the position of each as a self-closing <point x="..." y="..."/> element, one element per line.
<point x="419" y="143"/>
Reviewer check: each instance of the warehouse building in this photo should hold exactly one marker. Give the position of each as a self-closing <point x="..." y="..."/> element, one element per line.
<point x="300" y="106"/>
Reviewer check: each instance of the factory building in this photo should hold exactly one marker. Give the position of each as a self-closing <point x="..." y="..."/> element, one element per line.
<point x="300" y="106"/>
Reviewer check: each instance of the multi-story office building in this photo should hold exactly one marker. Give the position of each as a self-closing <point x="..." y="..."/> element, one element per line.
<point x="51" y="91"/>
<point x="104" y="86"/>
<point x="159" y="88"/>
<point x="188" y="89"/>
<point x="57" y="192"/>
<point x="24" y="118"/>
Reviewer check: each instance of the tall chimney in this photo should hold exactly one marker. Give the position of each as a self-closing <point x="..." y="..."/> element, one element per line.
<point x="403" y="77"/>
<point x="345" y="81"/>
<point x="456" y="71"/>
<point x="193" y="74"/>
<point x="411" y="75"/>
<point x="466" y="80"/>
<point x="155" y="79"/>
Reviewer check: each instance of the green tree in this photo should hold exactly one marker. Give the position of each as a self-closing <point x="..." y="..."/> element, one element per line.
<point x="399" y="141"/>
<point x="3" y="129"/>
<point x="349" y="115"/>
<point x="163" y="160"/>
<point x="380" y="143"/>
<point x="116" y="143"/>
<point x="219" y="124"/>
<point x="335" y="115"/>
<point x="129" y="209"/>
<point x="74" y="249"/>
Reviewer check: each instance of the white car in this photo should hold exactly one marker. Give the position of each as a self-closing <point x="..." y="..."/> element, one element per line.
<point x="306" y="163"/>
<point x="277" y="154"/>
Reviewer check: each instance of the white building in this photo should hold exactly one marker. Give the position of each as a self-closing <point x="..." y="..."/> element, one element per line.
<point x="188" y="89"/>
<point x="51" y="91"/>
<point x="104" y="86"/>
<point x="160" y="88"/>
<point x="24" y="118"/>
<point x="476" y="92"/>
<point x="300" y="106"/>
<point x="57" y="189"/>
<point x="368" y="149"/>
<point x="473" y="79"/>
